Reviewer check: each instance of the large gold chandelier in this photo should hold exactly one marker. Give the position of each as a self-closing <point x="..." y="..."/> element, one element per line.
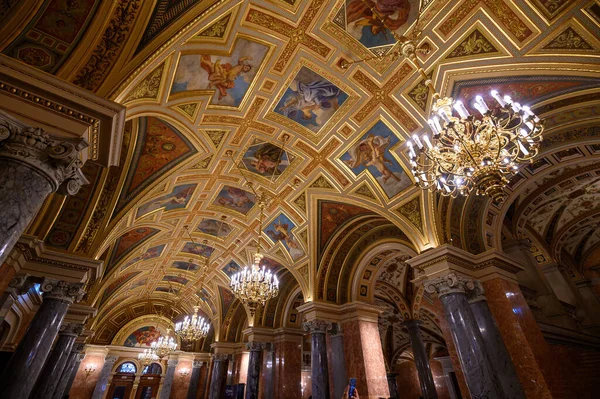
<point x="192" y="327"/>
<point x="255" y="286"/>
<point x="147" y="357"/>
<point x="164" y="345"/>
<point x="467" y="152"/>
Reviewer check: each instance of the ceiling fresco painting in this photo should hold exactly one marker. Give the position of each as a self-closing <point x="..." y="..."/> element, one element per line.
<point x="230" y="100"/>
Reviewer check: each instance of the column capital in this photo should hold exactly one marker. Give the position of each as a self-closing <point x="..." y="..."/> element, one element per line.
<point x="56" y="159"/>
<point x="61" y="290"/>
<point x="71" y="329"/>
<point x="219" y="357"/>
<point x="477" y="293"/>
<point x="110" y="359"/>
<point x="451" y="283"/>
<point x="317" y="326"/>
<point x="197" y="363"/>
<point x="336" y="330"/>
<point x="172" y="362"/>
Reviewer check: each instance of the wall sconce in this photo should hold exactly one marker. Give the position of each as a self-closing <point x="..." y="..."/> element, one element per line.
<point x="89" y="369"/>
<point x="184" y="373"/>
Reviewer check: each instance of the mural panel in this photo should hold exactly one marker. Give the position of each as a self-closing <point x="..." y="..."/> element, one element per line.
<point x="153" y="252"/>
<point x="177" y="199"/>
<point x="115" y="285"/>
<point x="231" y="268"/>
<point x="143" y="336"/>
<point x="333" y="215"/>
<point x="372" y="153"/>
<point x="310" y="100"/>
<point x="229" y="76"/>
<point x="129" y="241"/>
<point x="176" y="279"/>
<point x="266" y="159"/>
<point x="235" y="199"/>
<point x="281" y="230"/>
<point x="213" y="227"/>
<point x="197" y="249"/>
<point x="192" y="267"/>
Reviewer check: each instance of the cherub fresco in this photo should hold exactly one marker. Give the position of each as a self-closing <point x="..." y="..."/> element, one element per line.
<point x="231" y="268"/>
<point x="372" y="152"/>
<point x="214" y="227"/>
<point x="266" y="159"/>
<point x="197" y="249"/>
<point x="310" y="100"/>
<point x="236" y="199"/>
<point x="143" y="336"/>
<point x="280" y="230"/>
<point x="178" y="198"/>
<point x="370" y="21"/>
<point x="230" y="76"/>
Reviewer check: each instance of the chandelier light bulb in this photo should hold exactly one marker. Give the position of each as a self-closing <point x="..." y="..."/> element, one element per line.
<point x="193" y="327"/>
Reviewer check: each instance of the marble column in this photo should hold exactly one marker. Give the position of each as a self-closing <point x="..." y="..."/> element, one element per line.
<point x="54" y="366"/>
<point x="32" y="165"/>
<point x="254" y="363"/>
<point x="472" y="352"/>
<point x="194" y="379"/>
<point x="105" y="373"/>
<point x="219" y="374"/>
<point x="498" y="354"/>
<point x="68" y="374"/>
<point x="421" y="359"/>
<point x="24" y="367"/>
<point x="165" y="392"/>
<point x="340" y="378"/>
<point x="269" y="380"/>
<point x="392" y="384"/>
<point x="319" y="368"/>
<point x="447" y="368"/>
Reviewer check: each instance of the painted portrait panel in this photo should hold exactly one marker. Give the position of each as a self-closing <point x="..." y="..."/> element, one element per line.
<point x="143" y="336"/>
<point x="177" y="199"/>
<point x="153" y="252"/>
<point x="197" y="249"/>
<point x="213" y="227"/>
<point x="205" y="296"/>
<point x="231" y="268"/>
<point x="310" y="100"/>
<point x="129" y="241"/>
<point x="235" y="199"/>
<point x="281" y="230"/>
<point x="192" y="267"/>
<point x="229" y="76"/>
<point x="167" y="290"/>
<point x="372" y="152"/>
<point x="176" y="279"/>
<point x="368" y="28"/>
<point x="266" y="159"/>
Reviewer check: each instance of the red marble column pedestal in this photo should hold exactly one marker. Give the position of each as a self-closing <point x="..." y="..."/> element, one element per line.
<point x="288" y="365"/>
<point x="363" y="352"/>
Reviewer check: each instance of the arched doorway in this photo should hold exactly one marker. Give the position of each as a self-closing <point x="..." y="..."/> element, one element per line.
<point x="149" y="382"/>
<point x="122" y="383"/>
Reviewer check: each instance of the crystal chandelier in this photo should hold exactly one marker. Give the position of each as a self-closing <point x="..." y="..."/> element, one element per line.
<point x="467" y="152"/>
<point x="147" y="357"/>
<point x="164" y="345"/>
<point x="255" y="286"/>
<point x="192" y="327"/>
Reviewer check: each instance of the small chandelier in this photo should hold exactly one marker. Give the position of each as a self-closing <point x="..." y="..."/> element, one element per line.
<point x="255" y="286"/>
<point x="192" y="327"/>
<point x="467" y="153"/>
<point x="164" y="345"/>
<point x="147" y="357"/>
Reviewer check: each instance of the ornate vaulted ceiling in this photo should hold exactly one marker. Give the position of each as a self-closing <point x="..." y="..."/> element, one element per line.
<point x="223" y="92"/>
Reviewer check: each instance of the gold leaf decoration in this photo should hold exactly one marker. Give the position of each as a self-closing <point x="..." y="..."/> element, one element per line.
<point x="303" y="236"/>
<point x="203" y="164"/>
<point x="149" y="87"/>
<point x="420" y="93"/>
<point x="569" y="39"/>
<point x="304" y="272"/>
<point x="321" y="182"/>
<point x="216" y="30"/>
<point x="412" y="211"/>
<point x="474" y="44"/>
<point x="216" y="136"/>
<point x="301" y="201"/>
<point x="189" y="110"/>
<point x="365" y="191"/>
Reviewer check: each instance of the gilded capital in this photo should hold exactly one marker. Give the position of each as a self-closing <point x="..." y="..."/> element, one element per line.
<point x="450" y="284"/>
<point x="57" y="160"/>
<point x="317" y="326"/>
<point x="61" y="290"/>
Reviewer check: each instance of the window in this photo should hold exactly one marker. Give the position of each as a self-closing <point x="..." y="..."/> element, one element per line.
<point x="127" y="367"/>
<point x="154" y="368"/>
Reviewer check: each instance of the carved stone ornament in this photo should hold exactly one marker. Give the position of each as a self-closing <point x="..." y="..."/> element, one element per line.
<point x="256" y="346"/>
<point x="219" y="357"/>
<point x="70" y="329"/>
<point x="110" y="360"/>
<point x="317" y="326"/>
<point x="21" y="283"/>
<point x="449" y="284"/>
<point x="336" y="330"/>
<point x="197" y="364"/>
<point x="78" y="348"/>
<point x="61" y="290"/>
<point x="477" y="293"/>
<point x="57" y="160"/>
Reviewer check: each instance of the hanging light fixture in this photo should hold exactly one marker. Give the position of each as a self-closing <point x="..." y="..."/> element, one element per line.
<point x="192" y="327"/>
<point x="254" y="286"/>
<point x="164" y="345"/>
<point x="465" y="152"/>
<point x="147" y="357"/>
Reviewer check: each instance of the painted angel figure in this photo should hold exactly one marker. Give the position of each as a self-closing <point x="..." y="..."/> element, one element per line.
<point x="282" y="233"/>
<point x="371" y="152"/>
<point x="223" y="76"/>
<point x="311" y="97"/>
<point x="394" y="13"/>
